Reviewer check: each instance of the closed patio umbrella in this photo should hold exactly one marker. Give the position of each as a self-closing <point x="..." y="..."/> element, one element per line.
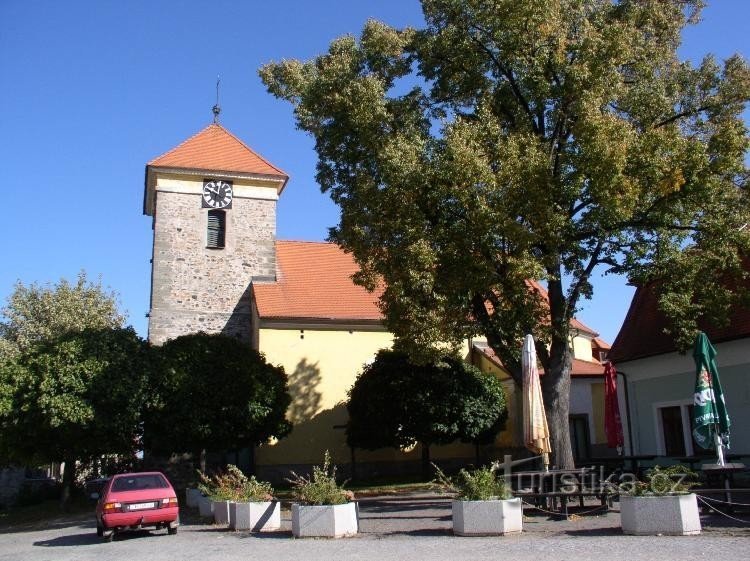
<point x="535" y="429"/>
<point x="612" y="420"/>
<point x="710" y="417"/>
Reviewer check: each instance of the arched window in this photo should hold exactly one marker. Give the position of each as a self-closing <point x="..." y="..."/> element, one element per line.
<point x="216" y="230"/>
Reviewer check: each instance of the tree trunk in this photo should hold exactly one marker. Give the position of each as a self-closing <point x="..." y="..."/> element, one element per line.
<point x="67" y="483"/>
<point x="426" y="472"/>
<point x="556" y="393"/>
<point x="556" y="381"/>
<point x="202" y="459"/>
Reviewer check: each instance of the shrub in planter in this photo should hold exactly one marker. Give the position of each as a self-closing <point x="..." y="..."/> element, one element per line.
<point x="323" y="508"/>
<point x="220" y="489"/>
<point x="483" y="505"/>
<point x="253" y="507"/>
<point x="662" y="504"/>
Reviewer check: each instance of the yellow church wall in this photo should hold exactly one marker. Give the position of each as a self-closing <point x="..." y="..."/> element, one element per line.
<point x="322" y="364"/>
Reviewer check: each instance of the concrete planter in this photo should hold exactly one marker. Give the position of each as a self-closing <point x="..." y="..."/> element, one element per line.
<point x="671" y="515"/>
<point x="327" y="521"/>
<point x="487" y="518"/>
<point x="205" y="507"/>
<point x="221" y="512"/>
<point x="257" y="517"/>
<point x="192" y="496"/>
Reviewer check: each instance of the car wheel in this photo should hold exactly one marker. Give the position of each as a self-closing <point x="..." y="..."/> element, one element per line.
<point x="99" y="531"/>
<point x="171" y="531"/>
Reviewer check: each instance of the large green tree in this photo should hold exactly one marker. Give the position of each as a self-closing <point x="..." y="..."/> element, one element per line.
<point x="396" y="403"/>
<point x="37" y="313"/>
<point x="528" y="139"/>
<point x="214" y="392"/>
<point x="74" y="399"/>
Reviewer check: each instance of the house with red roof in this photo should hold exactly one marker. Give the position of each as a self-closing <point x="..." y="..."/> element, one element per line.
<point x="218" y="267"/>
<point x="660" y="381"/>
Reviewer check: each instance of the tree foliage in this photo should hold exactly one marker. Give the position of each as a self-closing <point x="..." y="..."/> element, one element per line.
<point x="37" y="313"/>
<point x="214" y="393"/>
<point x="528" y="139"/>
<point x="396" y="403"/>
<point x="74" y="399"/>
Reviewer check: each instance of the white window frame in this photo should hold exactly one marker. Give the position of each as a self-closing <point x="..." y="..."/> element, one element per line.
<point x="684" y="405"/>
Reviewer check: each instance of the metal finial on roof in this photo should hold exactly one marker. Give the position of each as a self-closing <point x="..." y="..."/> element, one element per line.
<point x="216" y="109"/>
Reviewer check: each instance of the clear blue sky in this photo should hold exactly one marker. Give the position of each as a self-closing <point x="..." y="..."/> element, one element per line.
<point x="92" y="90"/>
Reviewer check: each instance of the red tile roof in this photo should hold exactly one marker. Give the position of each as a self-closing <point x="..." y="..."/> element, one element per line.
<point x="642" y="332"/>
<point x="579" y="368"/>
<point x="216" y="149"/>
<point x="314" y="282"/>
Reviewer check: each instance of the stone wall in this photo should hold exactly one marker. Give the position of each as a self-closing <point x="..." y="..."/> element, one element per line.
<point x="199" y="289"/>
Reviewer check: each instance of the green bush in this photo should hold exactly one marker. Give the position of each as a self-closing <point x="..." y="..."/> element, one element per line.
<point x="672" y="480"/>
<point x="478" y="485"/>
<point x="321" y="487"/>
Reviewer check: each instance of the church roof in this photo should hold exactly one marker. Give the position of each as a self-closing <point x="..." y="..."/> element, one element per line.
<point x="314" y="282"/>
<point x="216" y="149"/>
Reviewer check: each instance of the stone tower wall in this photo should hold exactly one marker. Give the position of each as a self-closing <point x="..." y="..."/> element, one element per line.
<point x="194" y="288"/>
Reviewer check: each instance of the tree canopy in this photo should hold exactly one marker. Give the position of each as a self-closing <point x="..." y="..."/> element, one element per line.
<point x="74" y="399"/>
<point x="396" y="403"/>
<point x="528" y="139"/>
<point x="37" y="313"/>
<point x="214" y="393"/>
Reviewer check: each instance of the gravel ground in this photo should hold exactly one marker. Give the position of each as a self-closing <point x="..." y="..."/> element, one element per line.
<point x="406" y="527"/>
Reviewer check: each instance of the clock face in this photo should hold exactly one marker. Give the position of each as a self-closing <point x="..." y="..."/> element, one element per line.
<point x="217" y="193"/>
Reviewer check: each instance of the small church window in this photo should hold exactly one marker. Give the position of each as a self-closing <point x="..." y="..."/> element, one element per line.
<point x="216" y="231"/>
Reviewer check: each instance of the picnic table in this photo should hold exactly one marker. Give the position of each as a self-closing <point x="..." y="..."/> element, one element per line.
<point x="551" y="489"/>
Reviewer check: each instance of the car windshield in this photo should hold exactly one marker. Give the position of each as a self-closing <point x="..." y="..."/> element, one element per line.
<point x="139" y="482"/>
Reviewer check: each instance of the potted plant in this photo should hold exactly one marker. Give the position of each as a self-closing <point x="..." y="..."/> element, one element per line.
<point x="252" y="506"/>
<point x="219" y="491"/>
<point x="662" y="504"/>
<point x="323" y="507"/>
<point x="484" y="504"/>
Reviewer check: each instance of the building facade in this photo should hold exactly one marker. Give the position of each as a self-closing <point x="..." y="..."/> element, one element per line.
<point x="218" y="268"/>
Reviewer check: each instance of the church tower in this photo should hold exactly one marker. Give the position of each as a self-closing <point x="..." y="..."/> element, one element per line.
<point x="213" y="203"/>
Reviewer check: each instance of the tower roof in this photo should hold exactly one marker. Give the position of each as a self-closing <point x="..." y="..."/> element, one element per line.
<point x="216" y="149"/>
<point x="212" y="151"/>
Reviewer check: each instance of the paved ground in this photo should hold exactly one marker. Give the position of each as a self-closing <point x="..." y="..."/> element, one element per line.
<point x="410" y="528"/>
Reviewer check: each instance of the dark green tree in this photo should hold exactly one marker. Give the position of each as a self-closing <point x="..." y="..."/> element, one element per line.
<point x="74" y="399"/>
<point x="396" y="403"/>
<point x="528" y="139"/>
<point x="214" y="393"/>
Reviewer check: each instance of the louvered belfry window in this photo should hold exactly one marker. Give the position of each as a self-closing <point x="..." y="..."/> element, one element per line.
<point x="216" y="232"/>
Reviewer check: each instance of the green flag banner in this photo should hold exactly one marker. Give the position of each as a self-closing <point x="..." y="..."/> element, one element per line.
<point x="709" y="409"/>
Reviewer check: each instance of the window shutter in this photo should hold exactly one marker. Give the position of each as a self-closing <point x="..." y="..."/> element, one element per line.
<point x="215" y="233"/>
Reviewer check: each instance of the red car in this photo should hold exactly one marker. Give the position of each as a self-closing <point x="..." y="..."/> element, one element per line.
<point x="134" y="501"/>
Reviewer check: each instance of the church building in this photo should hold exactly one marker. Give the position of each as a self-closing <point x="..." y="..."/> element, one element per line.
<point x="218" y="267"/>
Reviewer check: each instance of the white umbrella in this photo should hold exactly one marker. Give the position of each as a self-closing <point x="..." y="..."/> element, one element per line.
<point x="535" y="429"/>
